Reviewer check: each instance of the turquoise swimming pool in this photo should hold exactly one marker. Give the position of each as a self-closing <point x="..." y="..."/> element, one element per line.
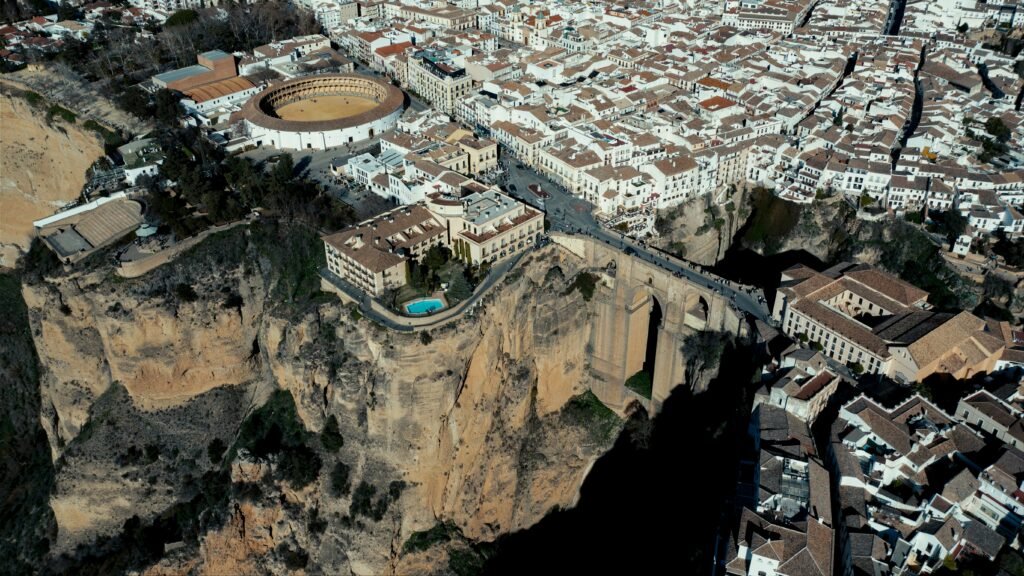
<point x="424" y="306"/>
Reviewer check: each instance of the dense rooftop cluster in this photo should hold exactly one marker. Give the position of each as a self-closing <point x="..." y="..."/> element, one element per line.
<point x="902" y="109"/>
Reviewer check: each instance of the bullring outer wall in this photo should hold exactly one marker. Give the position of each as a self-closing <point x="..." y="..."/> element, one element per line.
<point x="265" y="129"/>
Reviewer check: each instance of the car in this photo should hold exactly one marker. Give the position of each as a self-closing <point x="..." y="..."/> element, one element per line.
<point x="520" y="166"/>
<point x="629" y="251"/>
<point x="512" y="188"/>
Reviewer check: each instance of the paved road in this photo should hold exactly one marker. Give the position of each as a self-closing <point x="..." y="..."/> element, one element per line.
<point x="573" y="215"/>
<point x="315" y="161"/>
<point x="395" y="322"/>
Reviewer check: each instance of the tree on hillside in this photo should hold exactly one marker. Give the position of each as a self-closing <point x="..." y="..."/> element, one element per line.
<point x="459" y="287"/>
<point x="951" y="224"/>
<point x="997" y="129"/>
<point x="702" y="351"/>
<point x="166" y="110"/>
<point x="436" y="257"/>
<point x="1011" y="250"/>
<point x="282" y="174"/>
<point x="330" y="436"/>
<point x="182" y="17"/>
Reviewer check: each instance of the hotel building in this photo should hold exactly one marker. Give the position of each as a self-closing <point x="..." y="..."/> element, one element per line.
<point x="858" y="315"/>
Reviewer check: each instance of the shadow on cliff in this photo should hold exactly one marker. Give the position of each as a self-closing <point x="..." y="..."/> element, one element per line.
<point x="651" y="504"/>
<point x="27" y="525"/>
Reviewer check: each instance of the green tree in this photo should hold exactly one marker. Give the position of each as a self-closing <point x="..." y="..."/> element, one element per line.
<point x="242" y="178"/>
<point x="703" y="350"/>
<point x="340" y="483"/>
<point x="436" y="257"/>
<point x="362" y="500"/>
<point x="585" y="282"/>
<point x="215" y="450"/>
<point x="995" y="127"/>
<point x="282" y="174"/>
<point x="185" y="292"/>
<point x="1011" y="250"/>
<point x="299" y="465"/>
<point x="181" y="18"/>
<point x="166" y="108"/>
<point x="330" y="437"/>
<point x="951" y="224"/>
<point x="459" y="287"/>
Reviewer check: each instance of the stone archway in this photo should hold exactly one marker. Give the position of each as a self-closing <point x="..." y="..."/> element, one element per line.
<point x="646" y="319"/>
<point x="696" y="311"/>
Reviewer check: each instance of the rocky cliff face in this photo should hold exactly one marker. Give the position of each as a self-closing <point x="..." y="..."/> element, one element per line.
<point x="478" y="425"/>
<point x="702" y="232"/>
<point x="824" y="229"/>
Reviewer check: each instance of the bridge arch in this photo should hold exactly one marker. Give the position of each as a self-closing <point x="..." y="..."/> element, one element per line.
<point x="625" y="320"/>
<point x="696" y="310"/>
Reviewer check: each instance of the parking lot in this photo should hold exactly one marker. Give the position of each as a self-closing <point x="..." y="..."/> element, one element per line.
<point x="316" y="166"/>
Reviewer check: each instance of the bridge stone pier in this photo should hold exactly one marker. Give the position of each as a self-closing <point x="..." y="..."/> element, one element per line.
<point x="630" y="293"/>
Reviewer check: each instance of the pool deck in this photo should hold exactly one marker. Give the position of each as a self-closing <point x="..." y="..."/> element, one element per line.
<point x="435" y="296"/>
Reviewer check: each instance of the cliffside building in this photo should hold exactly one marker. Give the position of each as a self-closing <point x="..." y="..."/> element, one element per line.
<point x="859" y="315"/>
<point x="485" y="226"/>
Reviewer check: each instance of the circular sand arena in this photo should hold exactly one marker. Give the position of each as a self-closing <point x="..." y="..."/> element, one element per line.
<point x="325" y="108"/>
<point x="319" y="112"/>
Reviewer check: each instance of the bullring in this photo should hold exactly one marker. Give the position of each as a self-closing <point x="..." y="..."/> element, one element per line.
<point x="319" y="112"/>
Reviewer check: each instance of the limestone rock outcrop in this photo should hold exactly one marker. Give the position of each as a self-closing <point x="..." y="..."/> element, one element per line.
<point x="464" y="426"/>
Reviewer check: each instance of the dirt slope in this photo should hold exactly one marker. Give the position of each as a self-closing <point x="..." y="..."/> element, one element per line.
<point x="41" y="169"/>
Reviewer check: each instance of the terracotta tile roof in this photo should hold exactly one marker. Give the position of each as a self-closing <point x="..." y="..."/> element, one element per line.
<point x="716" y="103"/>
<point x="219" y="88"/>
<point x="379" y="243"/>
<point x="900" y="291"/>
<point x="955" y="339"/>
<point x="393" y="48"/>
<point x="675" y="165"/>
<point x="848" y="328"/>
<point x="815" y="385"/>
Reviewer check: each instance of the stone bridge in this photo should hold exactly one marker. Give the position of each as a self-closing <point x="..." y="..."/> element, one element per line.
<point x="630" y="294"/>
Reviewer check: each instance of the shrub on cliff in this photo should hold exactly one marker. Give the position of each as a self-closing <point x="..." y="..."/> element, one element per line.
<point x="39" y="262"/>
<point x="425" y="539"/>
<point x="586" y="411"/>
<point x="340" y="483"/>
<point x="585" y="282"/>
<point x="331" y="437"/>
<point x="274" y="429"/>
